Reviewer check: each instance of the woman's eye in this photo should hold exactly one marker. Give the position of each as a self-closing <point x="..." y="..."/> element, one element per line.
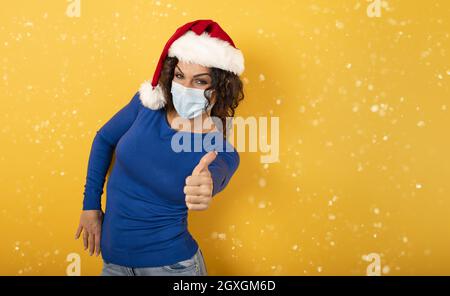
<point x="180" y="76"/>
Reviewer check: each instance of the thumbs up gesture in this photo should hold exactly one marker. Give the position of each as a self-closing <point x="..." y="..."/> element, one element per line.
<point x="199" y="185"/>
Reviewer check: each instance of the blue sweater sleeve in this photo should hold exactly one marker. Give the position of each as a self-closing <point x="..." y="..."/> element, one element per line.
<point x="222" y="169"/>
<point x="102" y="150"/>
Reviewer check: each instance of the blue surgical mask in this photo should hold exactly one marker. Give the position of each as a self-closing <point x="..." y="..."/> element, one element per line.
<point x="189" y="102"/>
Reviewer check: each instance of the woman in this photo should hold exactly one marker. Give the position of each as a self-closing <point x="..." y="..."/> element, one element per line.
<point x="153" y="183"/>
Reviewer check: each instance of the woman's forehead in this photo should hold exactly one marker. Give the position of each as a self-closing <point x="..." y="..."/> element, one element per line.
<point x="192" y="68"/>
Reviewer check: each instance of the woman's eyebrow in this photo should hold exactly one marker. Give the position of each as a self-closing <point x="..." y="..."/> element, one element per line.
<point x="194" y="75"/>
<point x="202" y="74"/>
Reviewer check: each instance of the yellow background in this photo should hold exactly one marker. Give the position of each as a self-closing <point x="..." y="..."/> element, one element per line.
<point x="364" y="123"/>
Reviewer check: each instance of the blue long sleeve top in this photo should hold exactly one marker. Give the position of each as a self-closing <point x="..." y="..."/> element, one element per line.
<point x="145" y="222"/>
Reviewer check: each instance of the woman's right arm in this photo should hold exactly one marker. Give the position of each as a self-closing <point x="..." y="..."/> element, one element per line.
<point x="100" y="158"/>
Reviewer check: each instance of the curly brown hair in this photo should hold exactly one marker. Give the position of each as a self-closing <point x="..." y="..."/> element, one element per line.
<point x="227" y="85"/>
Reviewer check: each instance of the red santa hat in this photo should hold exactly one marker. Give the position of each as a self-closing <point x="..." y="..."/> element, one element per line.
<point x="201" y="42"/>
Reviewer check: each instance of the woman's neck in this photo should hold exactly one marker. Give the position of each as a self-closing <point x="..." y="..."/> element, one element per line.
<point x="189" y="124"/>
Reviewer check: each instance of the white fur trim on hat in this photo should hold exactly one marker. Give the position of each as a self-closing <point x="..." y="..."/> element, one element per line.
<point x="151" y="98"/>
<point x="207" y="51"/>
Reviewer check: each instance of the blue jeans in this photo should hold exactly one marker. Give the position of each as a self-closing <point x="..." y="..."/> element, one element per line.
<point x="192" y="266"/>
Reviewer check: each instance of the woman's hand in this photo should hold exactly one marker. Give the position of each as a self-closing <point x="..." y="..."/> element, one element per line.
<point x="91" y="222"/>
<point x="199" y="185"/>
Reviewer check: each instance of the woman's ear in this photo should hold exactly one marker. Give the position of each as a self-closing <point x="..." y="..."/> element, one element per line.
<point x="213" y="96"/>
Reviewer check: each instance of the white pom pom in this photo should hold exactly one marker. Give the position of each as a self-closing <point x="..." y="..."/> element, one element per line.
<point x="151" y="98"/>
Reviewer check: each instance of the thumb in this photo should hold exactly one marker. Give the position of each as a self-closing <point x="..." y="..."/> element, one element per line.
<point x="204" y="162"/>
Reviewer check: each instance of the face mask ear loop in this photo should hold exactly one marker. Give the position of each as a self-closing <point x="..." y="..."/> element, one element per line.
<point x="209" y="96"/>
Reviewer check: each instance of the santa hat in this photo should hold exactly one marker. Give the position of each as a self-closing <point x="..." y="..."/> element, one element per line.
<point x="201" y="42"/>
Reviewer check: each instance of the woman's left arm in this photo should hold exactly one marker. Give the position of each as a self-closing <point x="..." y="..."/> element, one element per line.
<point x="222" y="169"/>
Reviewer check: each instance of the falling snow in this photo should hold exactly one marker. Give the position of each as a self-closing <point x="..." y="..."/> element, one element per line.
<point x="361" y="123"/>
